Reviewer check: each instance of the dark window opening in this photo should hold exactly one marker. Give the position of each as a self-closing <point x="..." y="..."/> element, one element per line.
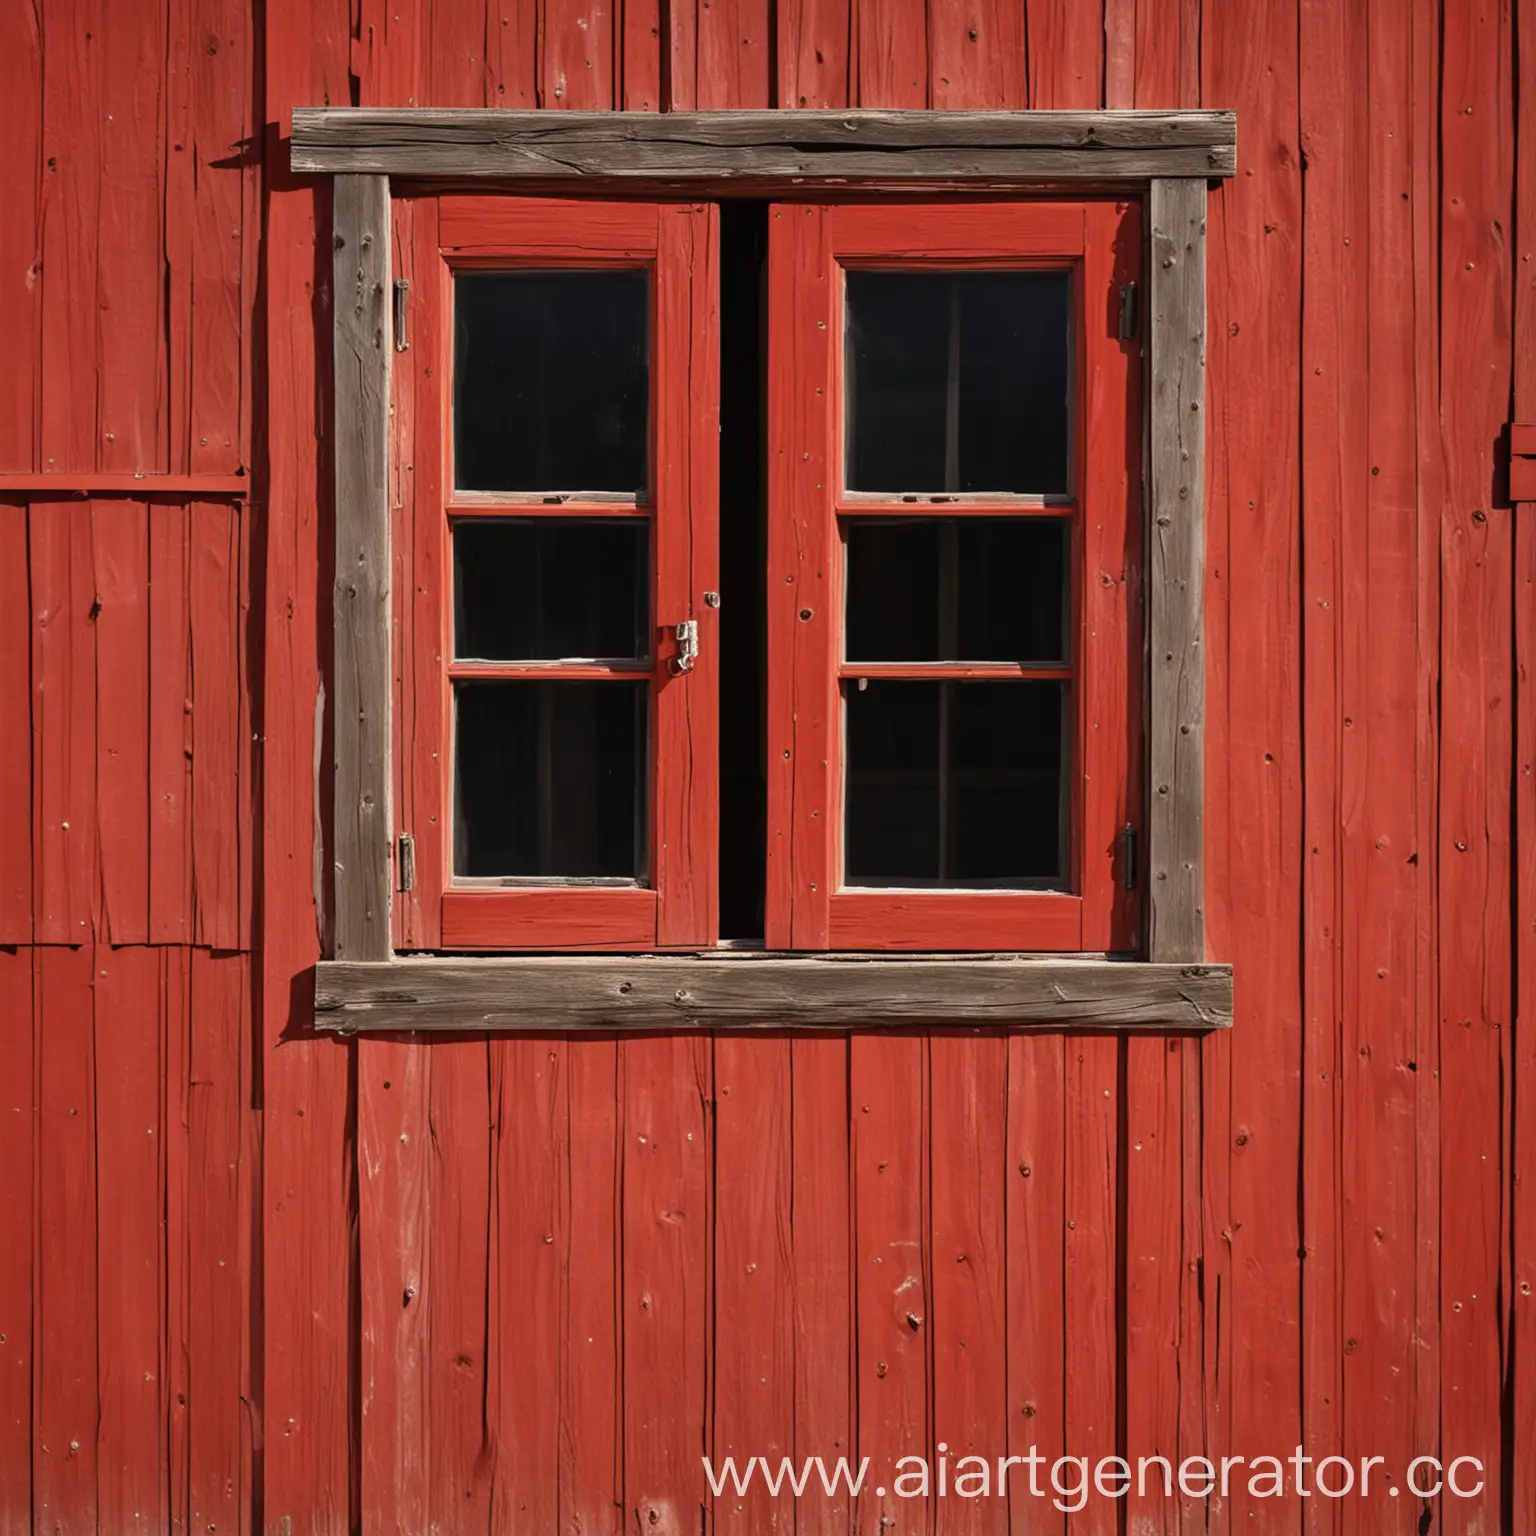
<point x="959" y="383"/>
<point x="743" y="570"/>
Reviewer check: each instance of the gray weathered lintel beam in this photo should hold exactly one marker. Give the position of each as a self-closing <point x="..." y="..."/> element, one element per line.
<point x="576" y="993"/>
<point x="1176" y="713"/>
<point x="859" y="144"/>
<point x="361" y="334"/>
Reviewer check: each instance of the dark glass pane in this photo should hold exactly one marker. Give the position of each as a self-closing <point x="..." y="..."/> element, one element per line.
<point x="957" y="589"/>
<point x="551" y="381"/>
<point x="958" y="382"/>
<point x="955" y="784"/>
<point x="549" y="779"/>
<point x="546" y="589"/>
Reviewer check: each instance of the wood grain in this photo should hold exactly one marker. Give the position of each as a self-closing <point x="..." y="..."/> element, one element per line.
<point x="363" y="348"/>
<point x="1176" y="741"/>
<point x="1014" y="146"/>
<point x="651" y="992"/>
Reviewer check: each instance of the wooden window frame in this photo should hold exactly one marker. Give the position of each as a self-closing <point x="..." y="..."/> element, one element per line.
<point x="1165" y="159"/>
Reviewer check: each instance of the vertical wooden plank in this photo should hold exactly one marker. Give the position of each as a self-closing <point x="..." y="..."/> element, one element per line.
<point x="1167" y="53"/>
<point x="131" y="377"/>
<point x="175" y="1024"/>
<point x="64" y="1339"/>
<point x="1036" y="1270"/>
<point x="1159" y="1247"/>
<point x="215" y="1326"/>
<point x="687" y="548"/>
<point x="512" y="53"/>
<point x="640" y="46"/>
<point x="120" y="551"/>
<point x="170" y="725"/>
<point x="64" y="831"/>
<point x="890" y="53"/>
<point x="1254" y="800"/>
<point x="812" y="52"/>
<point x="70" y="234"/>
<point x="1476" y="143"/>
<point x="459" y="1198"/>
<point x="591" y="1488"/>
<point x="1176" y="709"/>
<point x="307" y="1289"/>
<point x="1522" y="1399"/>
<point x="1381" y="580"/>
<point x="363" y="346"/>
<point x="21" y="122"/>
<point x="976" y="54"/>
<point x="735" y="54"/>
<point x="220" y="64"/>
<point x="667" y="1090"/>
<point x="530" y="1144"/>
<point x="890" y="1106"/>
<point x="576" y="39"/>
<point x="18" y="1152"/>
<point x="1066" y="52"/>
<point x="129" y="1473"/>
<point x="16" y="877"/>
<point x="394" y="1150"/>
<point x="456" y="48"/>
<point x="969" y="1105"/>
<point x="1334" y="445"/>
<point x="754" y="1354"/>
<point x="823" y="1275"/>
<point x="214" y="649"/>
<point x="1091" y="1267"/>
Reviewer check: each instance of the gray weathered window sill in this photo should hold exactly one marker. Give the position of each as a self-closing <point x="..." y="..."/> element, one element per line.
<point x="576" y="994"/>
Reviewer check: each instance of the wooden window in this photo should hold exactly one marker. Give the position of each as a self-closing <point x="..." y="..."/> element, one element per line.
<point x="901" y="671"/>
<point x="563" y="700"/>
<point x="955" y="546"/>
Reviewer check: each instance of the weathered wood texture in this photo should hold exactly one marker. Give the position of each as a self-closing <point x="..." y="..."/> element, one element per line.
<point x="1314" y="1228"/>
<point x="363" y="293"/>
<point x="836" y="992"/>
<point x="1176" y="608"/>
<point x="716" y="146"/>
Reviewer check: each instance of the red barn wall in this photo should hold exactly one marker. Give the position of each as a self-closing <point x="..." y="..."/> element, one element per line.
<point x="255" y="1279"/>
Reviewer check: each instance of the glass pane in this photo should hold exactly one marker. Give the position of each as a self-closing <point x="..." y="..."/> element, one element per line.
<point x="551" y="381"/>
<point x="955" y="784"/>
<point x="958" y="382"/>
<point x="957" y="589"/>
<point x="550" y="779"/>
<point x="550" y="589"/>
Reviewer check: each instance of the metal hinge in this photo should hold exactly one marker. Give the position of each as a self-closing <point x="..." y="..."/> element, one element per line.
<point x="1128" y="857"/>
<point x="405" y="862"/>
<point x="1128" y="315"/>
<point x="402" y="314"/>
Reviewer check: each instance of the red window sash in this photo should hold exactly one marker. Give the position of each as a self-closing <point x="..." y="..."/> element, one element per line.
<point x="679" y="243"/>
<point x="809" y="245"/>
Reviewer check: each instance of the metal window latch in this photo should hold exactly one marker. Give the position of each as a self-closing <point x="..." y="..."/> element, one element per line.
<point x="1128" y="857"/>
<point x="687" y="635"/>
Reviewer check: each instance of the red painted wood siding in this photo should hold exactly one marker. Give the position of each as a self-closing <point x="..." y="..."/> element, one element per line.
<point x="252" y="1279"/>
